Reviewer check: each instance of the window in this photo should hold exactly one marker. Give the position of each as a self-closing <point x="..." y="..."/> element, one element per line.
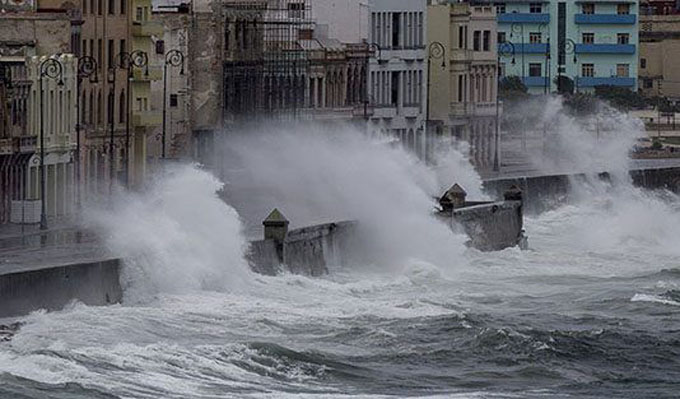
<point x="123" y="6"/>
<point x="121" y="107"/>
<point x="643" y="63"/>
<point x="588" y="8"/>
<point x="111" y="55"/>
<point x="99" y="52"/>
<point x="396" y="29"/>
<point x="139" y="15"/>
<point x="296" y="10"/>
<point x="92" y="10"/>
<point x="622" y="70"/>
<point x="160" y="47"/>
<point x="501" y="37"/>
<point x="173" y="100"/>
<point x="648" y="83"/>
<point x="112" y="7"/>
<point x="588" y="70"/>
<point x="588" y="38"/>
<point x="100" y="7"/>
<point x="486" y="40"/>
<point x="500" y="8"/>
<point x="535" y="8"/>
<point x="460" y="37"/>
<point x="622" y="38"/>
<point x="534" y="37"/>
<point x="535" y="69"/>
<point x="475" y="40"/>
<point x="84" y="7"/>
<point x="623" y="9"/>
<point x="460" y="88"/>
<point x="122" y="46"/>
<point x="501" y="70"/>
<point x="395" y="88"/>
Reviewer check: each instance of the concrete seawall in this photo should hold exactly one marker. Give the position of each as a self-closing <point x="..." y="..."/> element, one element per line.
<point x="307" y="251"/>
<point x="541" y="193"/>
<point x="51" y="288"/>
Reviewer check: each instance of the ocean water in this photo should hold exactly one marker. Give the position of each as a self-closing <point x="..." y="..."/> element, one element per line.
<point x="591" y="310"/>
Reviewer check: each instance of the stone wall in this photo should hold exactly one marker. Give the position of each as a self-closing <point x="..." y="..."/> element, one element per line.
<point x="51" y="288"/>
<point x="309" y="250"/>
<point x="541" y="193"/>
<point x="492" y="226"/>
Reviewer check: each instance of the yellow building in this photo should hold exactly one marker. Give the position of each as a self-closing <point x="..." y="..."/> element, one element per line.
<point x="464" y="80"/>
<point x="659" y="72"/>
<point x="144" y="117"/>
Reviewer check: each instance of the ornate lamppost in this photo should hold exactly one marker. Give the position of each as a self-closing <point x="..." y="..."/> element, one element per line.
<point x="370" y="49"/>
<point x="566" y="47"/>
<point x="518" y="28"/>
<point x="50" y="68"/>
<point x="128" y="61"/>
<point x="505" y="49"/>
<point x="87" y="68"/>
<point x="436" y="51"/>
<point x="173" y="58"/>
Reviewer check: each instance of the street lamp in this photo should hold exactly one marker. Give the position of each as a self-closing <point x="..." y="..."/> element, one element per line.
<point x="546" y="85"/>
<point x="505" y="49"/>
<point x="87" y="68"/>
<point x="519" y="28"/>
<point x="370" y="49"/>
<point x="50" y="68"/>
<point x="173" y="58"/>
<point x="437" y="51"/>
<point x="129" y="61"/>
<point x="569" y="48"/>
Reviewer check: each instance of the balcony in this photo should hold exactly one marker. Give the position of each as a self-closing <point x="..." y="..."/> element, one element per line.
<point x="605" y="49"/>
<point x="523" y="18"/>
<point x="459" y="109"/>
<point x="147" y="118"/>
<point x="605" y="19"/>
<point x="611" y="81"/>
<point x="531" y="48"/>
<point x="9" y="146"/>
<point x="385" y="111"/>
<point x="154" y="73"/>
<point x="484" y="109"/>
<point x="147" y="29"/>
<point x="535" y="81"/>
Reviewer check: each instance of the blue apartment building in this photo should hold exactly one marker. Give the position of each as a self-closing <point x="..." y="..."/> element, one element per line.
<point x="592" y="42"/>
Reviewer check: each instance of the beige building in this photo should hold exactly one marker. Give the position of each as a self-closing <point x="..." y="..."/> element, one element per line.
<point x="464" y="83"/>
<point x="659" y="72"/>
<point x="176" y="23"/>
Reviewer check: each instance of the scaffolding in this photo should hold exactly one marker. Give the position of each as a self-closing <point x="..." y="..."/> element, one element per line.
<point x="265" y="62"/>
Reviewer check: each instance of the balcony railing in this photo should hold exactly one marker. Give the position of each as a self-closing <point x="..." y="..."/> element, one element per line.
<point x="535" y="81"/>
<point x="605" y="19"/>
<point x="523" y="18"/>
<point x="9" y="146"/>
<point x="147" y="28"/>
<point x="531" y="48"/>
<point x="147" y="74"/>
<point x="147" y="118"/>
<point x="610" y="81"/>
<point x="605" y="49"/>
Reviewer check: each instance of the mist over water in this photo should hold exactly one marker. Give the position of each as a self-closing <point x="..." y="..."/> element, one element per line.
<point x="316" y="174"/>
<point x="590" y="311"/>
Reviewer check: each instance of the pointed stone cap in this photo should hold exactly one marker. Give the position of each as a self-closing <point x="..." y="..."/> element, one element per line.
<point x="453" y="198"/>
<point x="275" y="218"/>
<point x="514" y="193"/>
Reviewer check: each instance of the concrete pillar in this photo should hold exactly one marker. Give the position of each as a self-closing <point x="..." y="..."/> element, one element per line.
<point x="276" y="228"/>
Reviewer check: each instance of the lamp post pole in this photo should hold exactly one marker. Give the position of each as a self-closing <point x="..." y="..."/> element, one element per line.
<point x="87" y="68"/>
<point x="112" y="98"/>
<point x="437" y="51"/>
<point x="173" y="58"/>
<point x="504" y="49"/>
<point x="50" y="68"/>
<point x="370" y="47"/>
<point x="519" y="28"/>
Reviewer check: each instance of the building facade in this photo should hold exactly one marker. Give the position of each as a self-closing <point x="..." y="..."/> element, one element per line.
<point x="590" y="43"/>
<point x="398" y="74"/>
<point x="660" y="49"/>
<point x="463" y="79"/>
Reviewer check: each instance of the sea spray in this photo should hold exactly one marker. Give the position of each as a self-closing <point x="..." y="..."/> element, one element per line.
<point x="177" y="236"/>
<point x="316" y="174"/>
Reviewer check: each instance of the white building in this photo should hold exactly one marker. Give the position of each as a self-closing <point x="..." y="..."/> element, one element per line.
<point x="59" y="113"/>
<point x="397" y="71"/>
